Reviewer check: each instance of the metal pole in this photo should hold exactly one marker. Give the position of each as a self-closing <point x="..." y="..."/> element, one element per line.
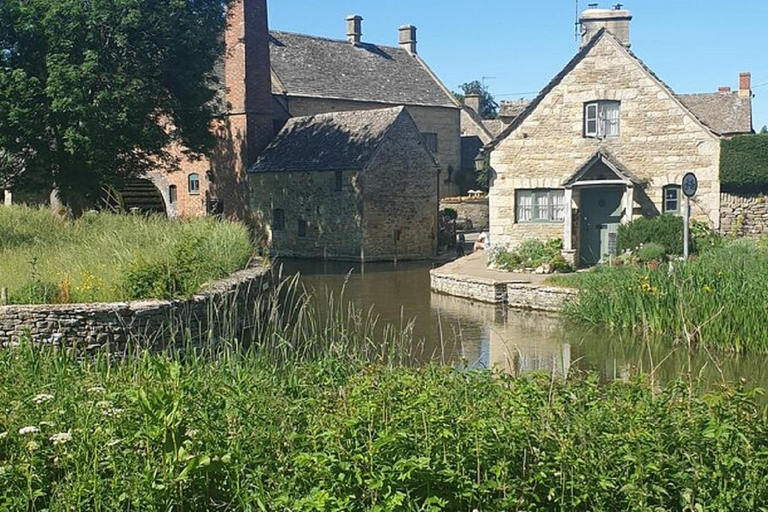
<point x="686" y="221"/>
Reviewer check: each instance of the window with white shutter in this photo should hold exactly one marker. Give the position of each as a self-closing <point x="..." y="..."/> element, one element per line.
<point x="602" y="119"/>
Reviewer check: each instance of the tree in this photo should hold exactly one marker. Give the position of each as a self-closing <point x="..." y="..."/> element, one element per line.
<point x="764" y="130"/>
<point x="489" y="109"/>
<point x="93" y="92"/>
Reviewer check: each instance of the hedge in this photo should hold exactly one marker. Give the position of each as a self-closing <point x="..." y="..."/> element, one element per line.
<point x="744" y="164"/>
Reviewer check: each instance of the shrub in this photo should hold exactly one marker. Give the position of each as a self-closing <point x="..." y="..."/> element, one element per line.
<point x="558" y="264"/>
<point x="451" y="214"/>
<point x="651" y="252"/>
<point x="530" y="254"/>
<point x="666" y="230"/>
<point x="744" y="163"/>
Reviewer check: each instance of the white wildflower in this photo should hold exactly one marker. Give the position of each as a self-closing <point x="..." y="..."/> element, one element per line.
<point x="114" y="442"/>
<point x="104" y="404"/>
<point x="3" y="435"/>
<point x="46" y="424"/>
<point x="60" y="438"/>
<point x="33" y="445"/>
<point x="97" y="390"/>
<point x="112" y="412"/>
<point x="39" y="399"/>
<point x="193" y="433"/>
<point x="28" y="430"/>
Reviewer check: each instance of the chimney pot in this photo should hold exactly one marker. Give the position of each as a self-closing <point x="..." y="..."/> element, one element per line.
<point x="724" y="90"/>
<point x="616" y="21"/>
<point x="745" y="85"/>
<point x="408" y="38"/>
<point x="354" y="28"/>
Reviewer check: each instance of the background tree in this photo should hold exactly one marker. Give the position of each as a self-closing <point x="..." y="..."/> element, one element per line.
<point x="489" y="109"/>
<point x="93" y="92"/>
<point x="764" y="130"/>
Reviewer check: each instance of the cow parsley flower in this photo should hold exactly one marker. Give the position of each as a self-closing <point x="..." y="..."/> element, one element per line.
<point x="28" y="430"/>
<point x="60" y="438"/>
<point x="33" y="445"/>
<point x="3" y="435"/>
<point x="97" y="390"/>
<point x="39" y="399"/>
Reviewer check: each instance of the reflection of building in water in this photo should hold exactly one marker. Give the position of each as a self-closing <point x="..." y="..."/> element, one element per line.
<point x="514" y="341"/>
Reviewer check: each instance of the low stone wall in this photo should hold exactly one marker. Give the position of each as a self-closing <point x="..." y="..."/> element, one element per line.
<point x="743" y="214"/>
<point x="515" y="295"/>
<point x="223" y="309"/>
<point x="473" y="208"/>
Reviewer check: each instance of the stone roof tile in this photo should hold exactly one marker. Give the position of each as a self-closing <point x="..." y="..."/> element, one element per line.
<point x="725" y="113"/>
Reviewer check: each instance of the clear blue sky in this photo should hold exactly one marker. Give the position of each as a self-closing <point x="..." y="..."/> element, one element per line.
<point x="693" y="45"/>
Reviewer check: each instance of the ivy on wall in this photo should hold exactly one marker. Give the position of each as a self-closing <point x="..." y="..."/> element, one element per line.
<point x="744" y="164"/>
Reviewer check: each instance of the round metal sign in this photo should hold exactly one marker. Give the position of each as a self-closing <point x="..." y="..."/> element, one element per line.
<point x="690" y="184"/>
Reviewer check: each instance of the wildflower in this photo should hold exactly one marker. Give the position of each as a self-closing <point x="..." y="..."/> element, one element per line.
<point x="46" y="424"/>
<point x="114" y="442"/>
<point x="3" y="435"/>
<point x="60" y="438"/>
<point x="97" y="390"/>
<point x="39" y="399"/>
<point x="192" y="433"/>
<point x="33" y="445"/>
<point x="112" y="412"/>
<point x="707" y="289"/>
<point x="28" y="430"/>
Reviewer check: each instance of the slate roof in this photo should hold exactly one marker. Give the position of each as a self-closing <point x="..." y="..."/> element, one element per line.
<point x="327" y="68"/>
<point x="583" y="52"/>
<point x="725" y="113"/>
<point x="603" y="156"/>
<point x="512" y="108"/>
<point x="470" y="148"/>
<point x="328" y="142"/>
<point x="495" y="126"/>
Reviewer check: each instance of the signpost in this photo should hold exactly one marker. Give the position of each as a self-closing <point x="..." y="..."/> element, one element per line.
<point x="690" y="186"/>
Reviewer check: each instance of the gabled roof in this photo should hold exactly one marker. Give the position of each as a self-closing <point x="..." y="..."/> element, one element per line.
<point x="330" y="142"/>
<point x="583" y="52"/>
<point x="326" y="68"/>
<point x="609" y="161"/>
<point x="726" y="113"/>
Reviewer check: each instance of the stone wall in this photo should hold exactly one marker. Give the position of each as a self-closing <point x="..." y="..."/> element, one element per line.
<point x="743" y="214"/>
<point x="538" y="298"/>
<point x="659" y="142"/>
<point x="475" y="209"/>
<point x="223" y="309"/>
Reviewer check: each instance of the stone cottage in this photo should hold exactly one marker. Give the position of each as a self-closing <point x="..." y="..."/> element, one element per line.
<point x="359" y="185"/>
<point x="607" y="141"/>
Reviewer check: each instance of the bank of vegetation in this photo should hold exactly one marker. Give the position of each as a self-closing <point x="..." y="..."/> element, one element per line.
<point x="258" y="431"/>
<point x="105" y="257"/>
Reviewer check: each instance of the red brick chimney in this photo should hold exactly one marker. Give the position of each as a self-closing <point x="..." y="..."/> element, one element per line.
<point x="745" y="85"/>
<point x="724" y="90"/>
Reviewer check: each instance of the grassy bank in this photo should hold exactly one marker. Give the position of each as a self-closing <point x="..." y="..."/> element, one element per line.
<point x="720" y="299"/>
<point x="255" y="432"/>
<point x="105" y="257"/>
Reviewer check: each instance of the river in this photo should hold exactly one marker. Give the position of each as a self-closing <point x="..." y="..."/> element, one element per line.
<point x="484" y="336"/>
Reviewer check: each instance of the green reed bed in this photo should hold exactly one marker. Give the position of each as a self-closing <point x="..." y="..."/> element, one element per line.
<point x="107" y="257"/>
<point x="257" y="431"/>
<point x="719" y="299"/>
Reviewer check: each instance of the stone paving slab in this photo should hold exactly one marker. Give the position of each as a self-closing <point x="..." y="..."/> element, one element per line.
<point x="475" y="267"/>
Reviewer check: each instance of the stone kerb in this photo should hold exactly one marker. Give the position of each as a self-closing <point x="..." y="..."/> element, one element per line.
<point x="221" y="309"/>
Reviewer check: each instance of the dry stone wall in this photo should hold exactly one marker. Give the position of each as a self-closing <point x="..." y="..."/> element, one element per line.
<point x="223" y="309"/>
<point x="474" y="209"/>
<point x="743" y="215"/>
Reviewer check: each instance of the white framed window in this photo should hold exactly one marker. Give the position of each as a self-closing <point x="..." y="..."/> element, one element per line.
<point x="671" y="204"/>
<point x="193" y="183"/>
<point x="602" y="119"/>
<point x="544" y="205"/>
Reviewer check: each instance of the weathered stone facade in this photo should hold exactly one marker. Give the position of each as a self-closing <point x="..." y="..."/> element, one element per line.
<point x="472" y="208"/>
<point x="743" y="215"/>
<point x="659" y="142"/>
<point x="222" y="309"/>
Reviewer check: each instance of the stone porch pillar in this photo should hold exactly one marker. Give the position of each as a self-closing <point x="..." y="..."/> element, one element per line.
<point x="568" y="252"/>
<point x="629" y="205"/>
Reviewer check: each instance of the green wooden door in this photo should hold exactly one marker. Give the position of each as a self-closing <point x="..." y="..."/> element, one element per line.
<point x="600" y="219"/>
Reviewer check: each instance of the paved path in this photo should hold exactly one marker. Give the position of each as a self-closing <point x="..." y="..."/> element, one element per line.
<point x="475" y="266"/>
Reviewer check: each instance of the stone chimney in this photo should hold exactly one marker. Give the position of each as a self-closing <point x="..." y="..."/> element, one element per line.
<point x="473" y="101"/>
<point x="745" y="85"/>
<point x="408" y="38"/>
<point x="354" y="28"/>
<point x="724" y="90"/>
<point x="616" y="21"/>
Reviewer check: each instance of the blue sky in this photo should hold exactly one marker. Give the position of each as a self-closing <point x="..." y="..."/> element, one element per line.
<point x="693" y="45"/>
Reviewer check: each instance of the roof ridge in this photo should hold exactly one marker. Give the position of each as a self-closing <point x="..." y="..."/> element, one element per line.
<point x="334" y="40"/>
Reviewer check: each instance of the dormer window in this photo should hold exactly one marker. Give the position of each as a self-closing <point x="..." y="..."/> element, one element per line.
<point x="601" y="119"/>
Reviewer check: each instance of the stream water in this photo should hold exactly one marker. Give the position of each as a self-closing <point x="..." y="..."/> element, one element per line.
<point x="481" y="335"/>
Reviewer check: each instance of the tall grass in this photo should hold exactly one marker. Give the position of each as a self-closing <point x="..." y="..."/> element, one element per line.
<point x="719" y="300"/>
<point x="86" y="260"/>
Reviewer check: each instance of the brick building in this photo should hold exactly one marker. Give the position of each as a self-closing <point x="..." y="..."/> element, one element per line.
<point x="607" y="141"/>
<point x="357" y="185"/>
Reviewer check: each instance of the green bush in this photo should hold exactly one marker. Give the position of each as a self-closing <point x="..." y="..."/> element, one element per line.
<point x="451" y="214"/>
<point x="744" y="163"/>
<point x="651" y="252"/>
<point x="559" y="265"/>
<point x="666" y="230"/>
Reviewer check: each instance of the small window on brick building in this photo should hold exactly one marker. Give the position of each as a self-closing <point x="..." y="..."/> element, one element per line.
<point x="302" y="228"/>
<point x="338" y="187"/>
<point x="672" y="200"/>
<point x="172" y="194"/>
<point x="194" y="183"/>
<point x="430" y="141"/>
<point x="278" y="219"/>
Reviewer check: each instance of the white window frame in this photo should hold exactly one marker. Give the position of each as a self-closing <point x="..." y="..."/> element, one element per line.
<point x="599" y="123"/>
<point x="540" y="206"/>
<point x="664" y="209"/>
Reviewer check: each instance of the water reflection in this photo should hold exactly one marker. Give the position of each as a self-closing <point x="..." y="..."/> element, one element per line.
<point x="484" y="336"/>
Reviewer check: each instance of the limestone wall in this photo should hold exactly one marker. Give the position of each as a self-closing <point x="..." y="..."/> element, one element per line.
<point x="743" y="214"/>
<point x="659" y="142"/>
<point x="222" y="310"/>
<point x="475" y="209"/>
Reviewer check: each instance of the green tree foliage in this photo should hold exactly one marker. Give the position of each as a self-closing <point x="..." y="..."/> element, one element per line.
<point x="764" y="130"/>
<point x="489" y="108"/>
<point x="92" y="92"/>
<point x="744" y="163"/>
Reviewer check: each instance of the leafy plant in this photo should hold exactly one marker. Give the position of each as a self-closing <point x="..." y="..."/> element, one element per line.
<point x="666" y="230"/>
<point x="744" y="163"/>
<point x="651" y="252"/>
